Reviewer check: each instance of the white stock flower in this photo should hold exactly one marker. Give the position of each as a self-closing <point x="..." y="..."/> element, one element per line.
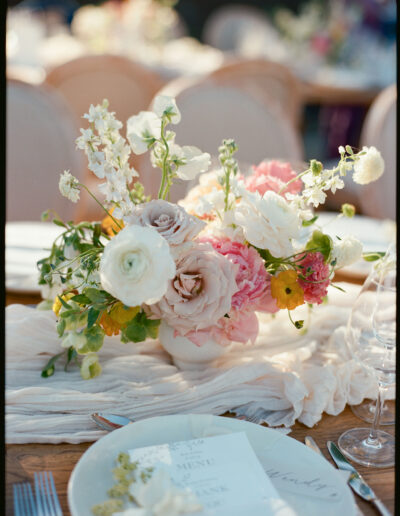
<point x="346" y="251"/>
<point x="114" y="188"/>
<point x="195" y="161"/>
<point x="162" y="498"/>
<point x="268" y="222"/>
<point x="136" y="266"/>
<point x="68" y="186"/>
<point x="164" y="105"/>
<point x="142" y="130"/>
<point x="369" y="167"/>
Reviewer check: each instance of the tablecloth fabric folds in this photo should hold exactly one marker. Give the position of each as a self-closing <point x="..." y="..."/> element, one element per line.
<point x="284" y="377"/>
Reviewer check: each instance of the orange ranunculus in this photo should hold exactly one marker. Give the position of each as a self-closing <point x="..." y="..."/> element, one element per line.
<point x="109" y="227"/>
<point x="286" y="290"/>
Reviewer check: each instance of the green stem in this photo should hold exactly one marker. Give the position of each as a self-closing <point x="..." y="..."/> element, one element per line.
<point x="101" y="206"/>
<point x="164" y="184"/>
<point x="292" y="181"/>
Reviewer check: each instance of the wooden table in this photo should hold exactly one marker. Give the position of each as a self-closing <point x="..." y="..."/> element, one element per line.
<point x="23" y="459"/>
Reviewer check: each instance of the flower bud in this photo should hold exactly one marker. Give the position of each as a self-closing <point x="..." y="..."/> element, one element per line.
<point x="348" y="210"/>
<point x="316" y="167"/>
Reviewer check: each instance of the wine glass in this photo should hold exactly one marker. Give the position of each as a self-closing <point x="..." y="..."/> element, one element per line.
<point x="370" y="337"/>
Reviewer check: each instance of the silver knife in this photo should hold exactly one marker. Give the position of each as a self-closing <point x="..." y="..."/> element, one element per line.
<point x="356" y="482"/>
<point x="312" y="444"/>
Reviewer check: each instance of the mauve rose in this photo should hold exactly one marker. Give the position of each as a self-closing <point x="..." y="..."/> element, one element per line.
<point x="201" y="291"/>
<point x="170" y="220"/>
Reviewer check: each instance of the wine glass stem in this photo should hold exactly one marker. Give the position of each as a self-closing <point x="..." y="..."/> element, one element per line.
<point x="372" y="439"/>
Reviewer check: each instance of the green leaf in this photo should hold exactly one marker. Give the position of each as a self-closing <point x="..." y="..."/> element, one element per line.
<point x="61" y="327"/>
<point x="310" y="222"/>
<point x="49" y="368"/>
<point x="94" y="339"/>
<point x="64" y="303"/>
<point x="373" y="256"/>
<point x="321" y="243"/>
<point x="82" y="299"/>
<point x="68" y="313"/>
<point x="97" y="296"/>
<point x="45" y="215"/>
<point x="58" y="222"/>
<point x="152" y="327"/>
<point x="71" y="355"/>
<point x="135" y="331"/>
<point x="93" y="315"/>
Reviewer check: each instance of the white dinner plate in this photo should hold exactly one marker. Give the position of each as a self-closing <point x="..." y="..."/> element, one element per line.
<point x="92" y="477"/>
<point x="26" y="243"/>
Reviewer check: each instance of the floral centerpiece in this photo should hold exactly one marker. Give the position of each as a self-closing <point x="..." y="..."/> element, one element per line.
<point x="194" y="273"/>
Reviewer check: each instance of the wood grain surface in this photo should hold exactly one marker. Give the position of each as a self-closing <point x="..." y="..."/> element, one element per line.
<point x="22" y="460"/>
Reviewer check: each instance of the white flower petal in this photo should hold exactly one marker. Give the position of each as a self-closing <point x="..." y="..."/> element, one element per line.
<point x="163" y="104"/>
<point x="142" y="129"/>
<point x="369" y="167"/>
<point x="196" y="162"/>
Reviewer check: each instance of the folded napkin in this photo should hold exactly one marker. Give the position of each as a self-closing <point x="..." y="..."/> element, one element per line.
<point x="284" y="377"/>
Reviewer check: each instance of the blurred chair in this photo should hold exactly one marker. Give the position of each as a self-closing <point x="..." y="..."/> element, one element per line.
<point x="128" y="86"/>
<point x="212" y="112"/>
<point x="226" y="26"/>
<point x="41" y="133"/>
<point x="266" y="79"/>
<point x="378" y="199"/>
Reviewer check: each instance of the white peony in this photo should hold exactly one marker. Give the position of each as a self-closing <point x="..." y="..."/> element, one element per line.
<point x="268" y="222"/>
<point x="69" y="186"/>
<point x="136" y="266"/>
<point x="346" y="251"/>
<point x="142" y="130"/>
<point x="369" y="167"/>
<point x="195" y="161"/>
<point x="166" y="105"/>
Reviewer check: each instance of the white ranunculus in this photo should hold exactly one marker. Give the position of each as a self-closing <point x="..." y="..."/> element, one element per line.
<point x="142" y="130"/>
<point x="136" y="266"/>
<point x="346" y="251"/>
<point x="69" y="186"/>
<point x="268" y="222"/>
<point x="196" y="161"/>
<point x="166" y="105"/>
<point x="369" y="167"/>
<point x="162" y="497"/>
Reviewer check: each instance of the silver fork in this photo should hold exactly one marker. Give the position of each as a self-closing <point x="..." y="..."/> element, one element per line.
<point x="46" y="495"/>
<point x="24" y="503"/>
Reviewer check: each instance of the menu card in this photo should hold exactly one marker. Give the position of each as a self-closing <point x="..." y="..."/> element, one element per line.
<point x="223" y="471"/>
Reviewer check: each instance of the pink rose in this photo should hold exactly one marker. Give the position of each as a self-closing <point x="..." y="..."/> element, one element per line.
<point x="252" y="279"/>
<point x="170" y="220"/>
<point x="272" y="175"/>
<point x="316" y="282"/>
<point x="201" y="292"/>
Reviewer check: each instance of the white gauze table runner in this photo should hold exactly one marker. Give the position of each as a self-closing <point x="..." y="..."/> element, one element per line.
<point x="284" y="377"/>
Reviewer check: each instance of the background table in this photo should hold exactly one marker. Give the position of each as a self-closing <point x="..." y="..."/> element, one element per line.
<point x="22" y="460"/>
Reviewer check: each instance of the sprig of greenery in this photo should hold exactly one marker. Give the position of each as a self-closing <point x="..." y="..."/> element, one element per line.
<point x="230" y="167"/>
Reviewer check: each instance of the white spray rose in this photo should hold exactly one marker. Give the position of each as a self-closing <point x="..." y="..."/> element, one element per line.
<point x="369" y="167"/>
<point x="268" y="222"/>
<point x="136" y="266"/>
<point x="346" y="251"/>
<point x="164" y="105"/>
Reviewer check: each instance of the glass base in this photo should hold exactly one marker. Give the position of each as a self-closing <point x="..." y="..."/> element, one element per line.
<point x="366" y="411"/>
<point x="354" y="444"/>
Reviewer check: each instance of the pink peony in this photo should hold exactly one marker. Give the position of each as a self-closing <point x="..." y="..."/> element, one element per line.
<point x="252" y="279"/>
<point x="315" y="285"/>
<point x="201" y="291"/>
<point x="272" y="175"/>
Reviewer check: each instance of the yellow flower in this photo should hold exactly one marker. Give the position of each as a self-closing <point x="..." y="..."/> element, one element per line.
<point x="57" y="303"/>
<point x="286" y="290"/>
<point x="122" y="314"/>
<point x="110" y="326"/>
<point x="108" y="225"/>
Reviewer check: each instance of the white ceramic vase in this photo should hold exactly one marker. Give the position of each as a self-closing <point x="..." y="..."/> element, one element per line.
<point x="185" y="354"/>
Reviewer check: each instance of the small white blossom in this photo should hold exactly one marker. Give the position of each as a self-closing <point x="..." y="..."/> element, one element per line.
<point x="341" y="149"/>
<point x="69" y="186"/>
<point x="195" y="161"/>
<point x="368" y="167"/>
<point x="346" y="251"/>
<point x="114" y="188"/>
<point x="142" y="130"/>
<point x="166" y="105"/>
